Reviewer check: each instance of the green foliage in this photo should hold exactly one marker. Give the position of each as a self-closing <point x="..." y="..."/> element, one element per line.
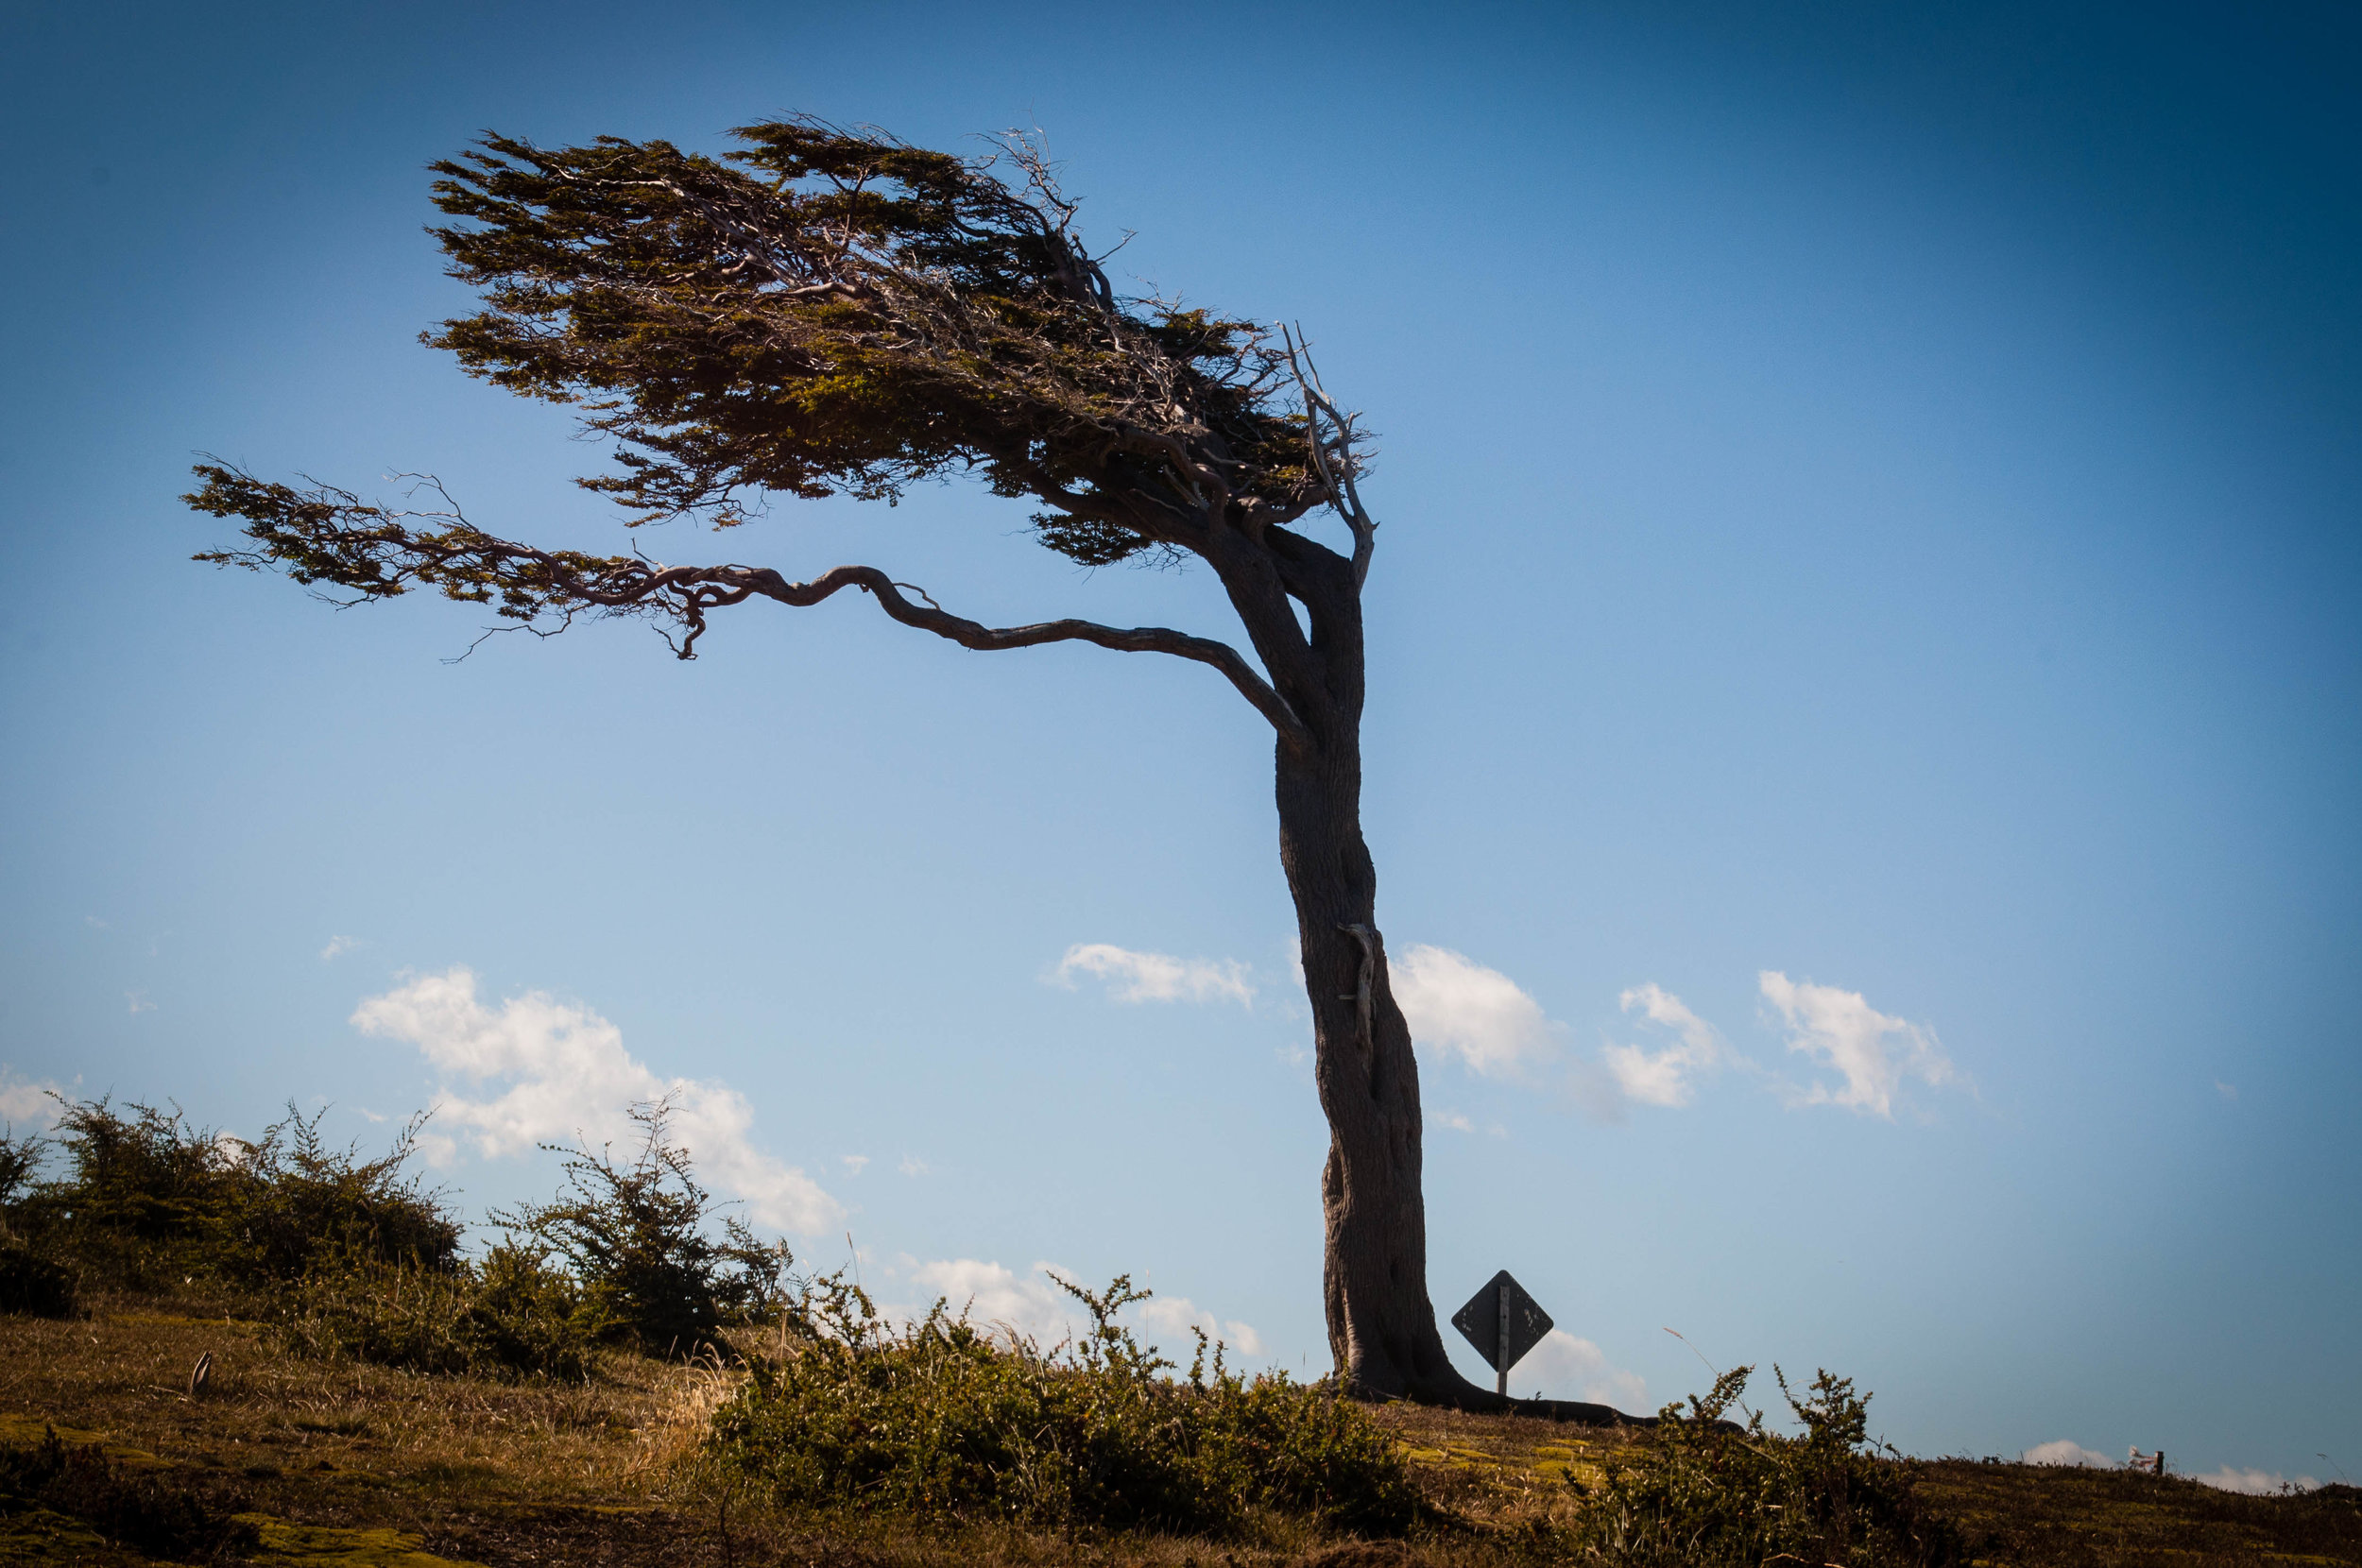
<point x="31" y="1282"/>
<point x="20" y="1158"/>
<point x="510" y="1315"/>
<point x="151" y="1201"/>
<point x="821" y="311"/>
<point x="636" y="1235"/>
<point x="839" y="311"/>
<point x="146" y="1194"/>
<point x="295" y="1200"/>
<point x="144" y="1510"/>
<point x="1700" y="1492"/>
<point x="947" y="1423"/>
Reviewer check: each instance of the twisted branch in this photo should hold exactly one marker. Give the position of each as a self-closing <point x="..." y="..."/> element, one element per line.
<point x="1335" y="451"/>
<point x="332" y="536"/>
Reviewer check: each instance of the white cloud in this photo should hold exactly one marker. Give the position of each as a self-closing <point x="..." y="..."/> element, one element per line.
<point x="2228" y="1091"/>
<point x="337" y="947"/>
<point x="1034" y="1306"/>
<point x="1563" y="1367"/>
<point x="138" y="1001"/>
<point x="567" y="1073"/>
<point x="2065" y="1450"/>
<point x="1873" y="1052"/>
<point x="1665" y="1076"/>
<point x="2256" y="1483"/>
<point x="94" y="923"/>
<point x="1455" y="1004"/>
<point x="855" y="1163"/>
<point x="990" y="1293"/>
<point x="1454" y="1120"/>
<point x="25" y="1105"/>
<point x="1169" y="1320"/>
<point x="913" y="1165"/>
<point x="1156" y="977"/>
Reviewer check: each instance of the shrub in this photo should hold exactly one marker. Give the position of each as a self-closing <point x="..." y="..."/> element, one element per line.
<point x="33" y="1285"/>
<point x="145" y="1194"/>
<point x="20" y="1157"/>
<point x="947" y="1423"/>
<point x="509" y="1316"/>
<point x="1699" y="1490"/>
<point x="30" y="1281"/>
<point x="142" y="1510"/>
<point x="150" y="1201"/>
<point x="293" y="1200"/>
<point x="636" y="1236"/>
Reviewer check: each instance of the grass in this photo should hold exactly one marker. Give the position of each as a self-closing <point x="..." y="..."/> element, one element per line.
<point x="946" y="1422"/>
<point x="355" y="1465"/>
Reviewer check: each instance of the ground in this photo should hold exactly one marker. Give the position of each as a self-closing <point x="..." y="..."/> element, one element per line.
<point x="360" y="1467"/>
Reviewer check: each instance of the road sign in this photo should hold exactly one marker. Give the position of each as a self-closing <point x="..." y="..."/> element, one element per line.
<point x="1503" y="1323"/>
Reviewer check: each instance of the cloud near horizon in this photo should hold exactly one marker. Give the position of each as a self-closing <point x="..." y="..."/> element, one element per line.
<point x="1564" y="1366"/>
<point x="1873" y="1053"/>
<point x="1137" y="977"/>
<point x="1457" y="1006"/>
<point x="566" y="1075"/>
<point x="26" y="1103"/>
<point x="2066" y="1451"/>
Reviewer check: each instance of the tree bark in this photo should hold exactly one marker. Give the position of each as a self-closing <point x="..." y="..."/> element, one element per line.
<point x="1382" y="1333"/>
<point x="1381" y="1326"/>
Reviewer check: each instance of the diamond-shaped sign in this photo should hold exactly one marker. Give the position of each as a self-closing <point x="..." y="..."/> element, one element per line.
<point x="1503" y="1321"/>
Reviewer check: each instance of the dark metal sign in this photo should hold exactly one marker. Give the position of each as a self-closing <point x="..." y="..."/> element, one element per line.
<point x="1503" y="1323"/>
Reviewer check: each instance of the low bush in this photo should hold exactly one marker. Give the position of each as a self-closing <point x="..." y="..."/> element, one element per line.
<point x="144" y="1510"/>
<point x="144" y="1194"/>
<point x="150" y="1201"/>
<point x="1698" y="1491"/>
<point x="636" y="1235"/>
<point x="293" y="1200"/>
<point x="20" y="1158"/>
<point x="31" y="1282"/>
<point x="510" y="1315"/>
<point x="33" y="1285"/>
<point x="949" y="1422"/>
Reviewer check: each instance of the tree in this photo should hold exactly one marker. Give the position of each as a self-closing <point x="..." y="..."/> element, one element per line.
<point x="828" y="311"/>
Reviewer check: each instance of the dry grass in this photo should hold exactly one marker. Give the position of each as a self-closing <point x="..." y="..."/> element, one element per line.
<point x="608" y="1472"/>
<point x="2055" y="1517"/>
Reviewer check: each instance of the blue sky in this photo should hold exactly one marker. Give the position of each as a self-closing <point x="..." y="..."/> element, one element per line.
<point x="1868" y="573"/>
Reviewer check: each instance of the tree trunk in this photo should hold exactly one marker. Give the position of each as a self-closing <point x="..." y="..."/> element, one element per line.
<point x="1381" y="1326"/>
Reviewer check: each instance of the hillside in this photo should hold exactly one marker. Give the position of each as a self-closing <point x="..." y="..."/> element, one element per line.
<point x="289" y="1459"/>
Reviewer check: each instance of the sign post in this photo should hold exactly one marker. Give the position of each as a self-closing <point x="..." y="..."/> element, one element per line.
<point x="1502" y="1322"/>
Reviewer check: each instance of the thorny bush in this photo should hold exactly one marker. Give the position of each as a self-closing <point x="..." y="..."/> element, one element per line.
<point x="636" y="1236"/>
<point x="150" y="1201"/>
<point x="953" y="1423"/>
<point x="1698" y="1491"/>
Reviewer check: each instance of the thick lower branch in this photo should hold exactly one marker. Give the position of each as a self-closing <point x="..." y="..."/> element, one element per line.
<point x="972" y="633"/>
<point x="329" y="535"/>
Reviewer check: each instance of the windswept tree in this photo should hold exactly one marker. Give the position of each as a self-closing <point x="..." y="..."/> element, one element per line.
<point x="825" y="311"/>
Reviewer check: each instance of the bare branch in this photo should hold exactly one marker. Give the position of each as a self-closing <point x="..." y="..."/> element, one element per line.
<point x="972" y="633"/>
<point x="1335" y="451"/>
<point x="328" y="535"/>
